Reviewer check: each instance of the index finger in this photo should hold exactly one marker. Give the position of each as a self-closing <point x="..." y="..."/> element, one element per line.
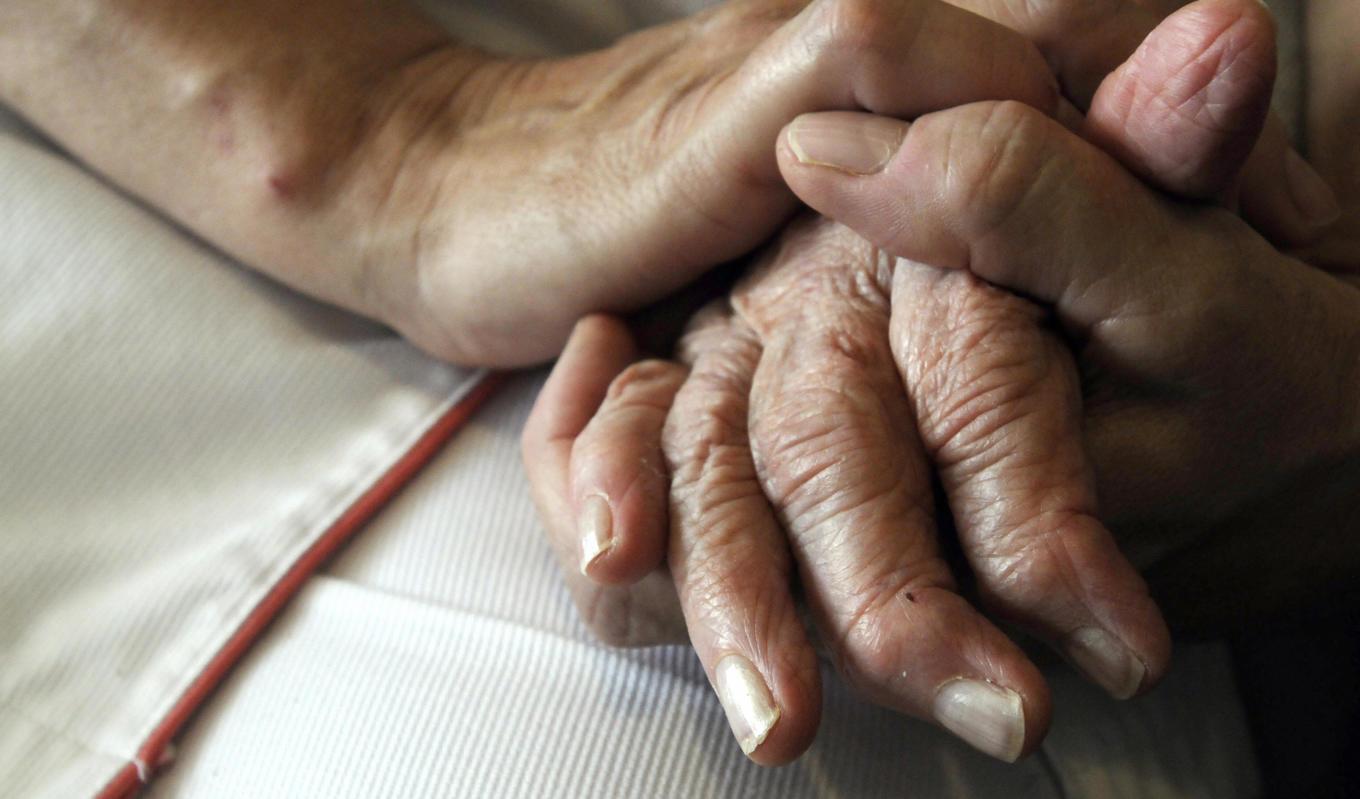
<point x="1086" y="40"/>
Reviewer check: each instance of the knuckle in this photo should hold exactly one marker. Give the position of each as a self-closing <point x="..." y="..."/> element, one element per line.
<point x="972" y="434"/>
<point x="722" y="577"/>
<point x="648" y="383"/>
<point x="869" y="650"/>
<point x="822" y="433"/>
<point x="995" y="156"/>
<point x="853" y="27"/>
<point x="994" y="368"/>
<point x="840" y="275"/>
<point x="814" y="469"/>
<point x="841" y="349"/>
<point x="714" y="333"/>
<point x="814" y="431"/>
<point x="705" y="436"/>
<point x="1033" y="564"/>
<point x="705" y="444"/>
<point x="853" y="23"/>
<point x="820" y="270"/>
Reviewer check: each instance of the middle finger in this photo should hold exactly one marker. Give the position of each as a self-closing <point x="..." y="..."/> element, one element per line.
<point x="835" y="444"/>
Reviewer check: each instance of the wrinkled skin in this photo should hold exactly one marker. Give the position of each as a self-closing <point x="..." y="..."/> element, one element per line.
<point x="1179" y="406"/>
<point x="832" y="479"/>
<point x="810" y="358"/>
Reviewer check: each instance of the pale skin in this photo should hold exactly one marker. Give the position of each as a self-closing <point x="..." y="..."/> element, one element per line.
<point x="343" y="168"/>
<point x="353" y="150"/>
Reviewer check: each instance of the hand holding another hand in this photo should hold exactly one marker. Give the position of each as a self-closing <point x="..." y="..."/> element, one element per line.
<point x="479" y="204"/>
<point x="611" y="179"/>
<point x="605" y="181"/>
<point x="823" y="338"/>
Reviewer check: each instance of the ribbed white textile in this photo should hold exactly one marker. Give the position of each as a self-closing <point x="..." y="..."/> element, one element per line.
<point x="441" y="656"/>
<point x="174" y="433"/>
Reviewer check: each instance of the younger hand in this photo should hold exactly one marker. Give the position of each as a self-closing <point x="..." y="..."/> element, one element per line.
<point x="608" y="180"/>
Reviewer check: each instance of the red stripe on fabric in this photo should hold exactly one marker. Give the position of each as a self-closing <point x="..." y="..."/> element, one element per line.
<point x="129" y="779"/>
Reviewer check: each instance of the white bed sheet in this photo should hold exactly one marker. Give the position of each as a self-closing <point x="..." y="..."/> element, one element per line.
<point x="174" y="432"/>
<point x="441" y="656"/>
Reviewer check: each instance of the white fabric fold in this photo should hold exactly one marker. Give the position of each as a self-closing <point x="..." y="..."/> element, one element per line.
<point x="174" y="432"/>
<point x="441" y="656"/>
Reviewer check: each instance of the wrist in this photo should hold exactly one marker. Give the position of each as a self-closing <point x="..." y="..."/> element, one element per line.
<point x="402" y="170"/>
<point x="304" y="175"/>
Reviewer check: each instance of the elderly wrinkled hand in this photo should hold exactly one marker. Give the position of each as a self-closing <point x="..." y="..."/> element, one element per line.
<point x="814" y="353"/>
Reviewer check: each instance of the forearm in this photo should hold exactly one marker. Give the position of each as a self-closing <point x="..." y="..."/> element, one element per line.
<point x="241" y="120"/>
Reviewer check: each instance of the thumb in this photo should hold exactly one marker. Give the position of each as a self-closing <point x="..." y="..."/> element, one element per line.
<point x="1189" y="113"/>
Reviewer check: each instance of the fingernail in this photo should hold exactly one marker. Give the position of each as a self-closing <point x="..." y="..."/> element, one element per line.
<point x="860" y="144"/>
<point x="987" y="716"/>
<point x="1312" y="196"/>
<point x="751" y="710"/>
<point x="596" y="527"/>
<point x="1105" y="659"/>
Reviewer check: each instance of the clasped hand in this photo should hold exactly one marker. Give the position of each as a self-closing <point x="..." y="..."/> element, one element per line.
<point x="1005" y="304"/>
